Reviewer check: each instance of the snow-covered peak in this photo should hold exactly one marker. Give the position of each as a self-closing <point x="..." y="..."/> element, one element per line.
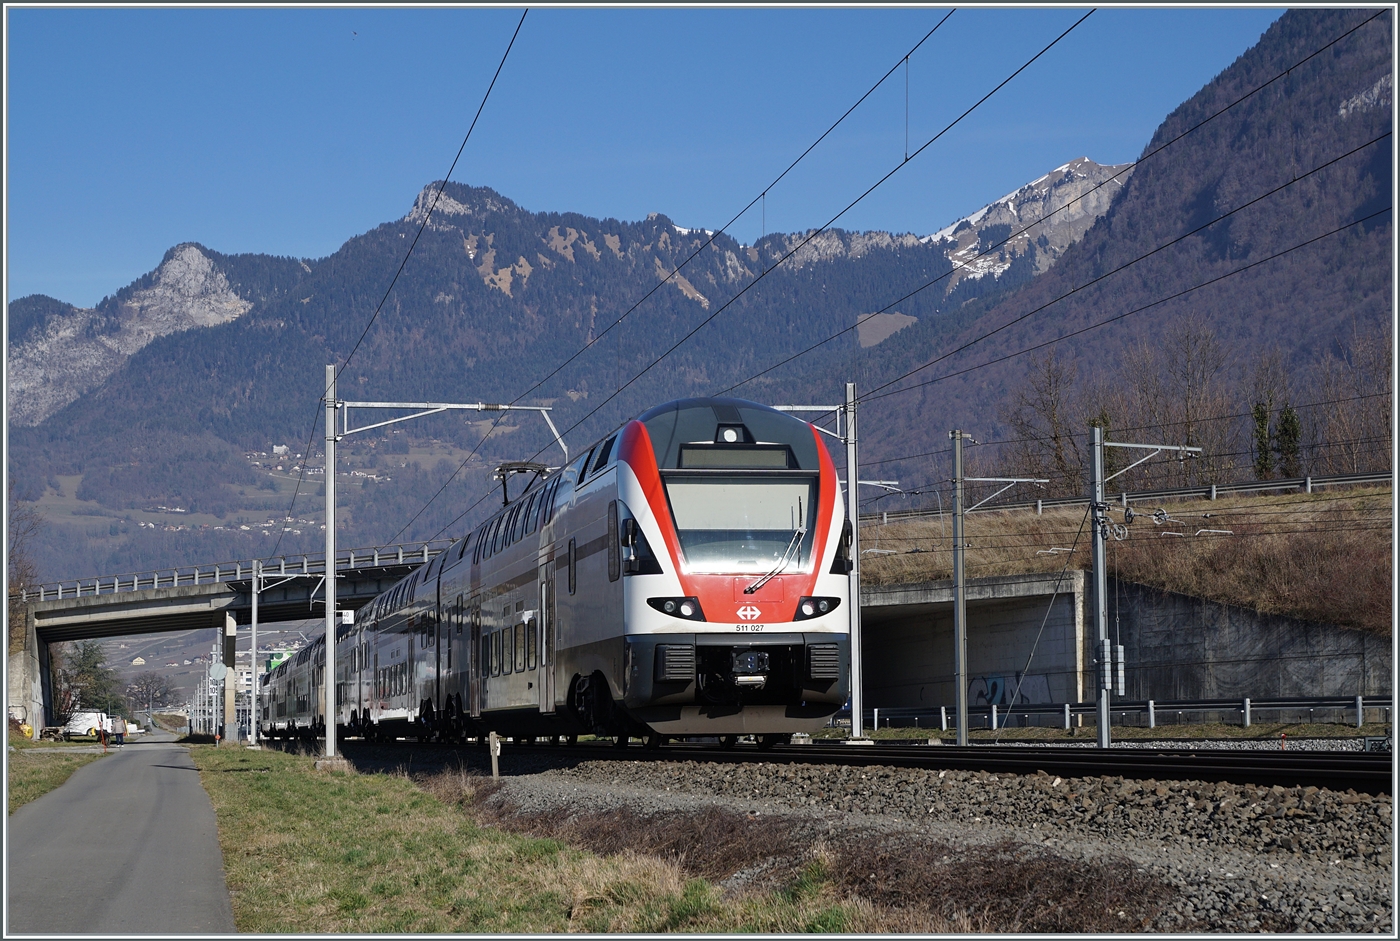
<point x="1051" y="212"/>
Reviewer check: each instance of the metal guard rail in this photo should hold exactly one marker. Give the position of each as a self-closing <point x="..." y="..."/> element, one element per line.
<point x="237" y="571"/>
<point x="1125" y="497"/>
<point x="1141" y="706"/>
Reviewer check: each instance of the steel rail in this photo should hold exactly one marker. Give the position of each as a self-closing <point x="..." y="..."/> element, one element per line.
<point x="1366" y="772"/>
<point x="1363" y="772"/>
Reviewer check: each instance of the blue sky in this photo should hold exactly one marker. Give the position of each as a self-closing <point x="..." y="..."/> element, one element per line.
<point x="288" y="131"/>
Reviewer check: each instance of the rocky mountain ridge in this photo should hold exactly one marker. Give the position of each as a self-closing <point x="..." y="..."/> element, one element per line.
<point x="1065" y="203"/>
<point x="66" y="352"/>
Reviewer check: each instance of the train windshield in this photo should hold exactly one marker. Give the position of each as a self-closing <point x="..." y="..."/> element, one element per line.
<point x="742" y="524"/>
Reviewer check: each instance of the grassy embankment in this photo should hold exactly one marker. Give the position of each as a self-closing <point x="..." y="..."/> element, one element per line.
<point x="33" y="773"/>
<point x="306" y="851"/>
<point x="1321" y="557"/>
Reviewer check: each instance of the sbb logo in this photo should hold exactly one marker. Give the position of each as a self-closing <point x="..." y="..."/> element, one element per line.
<point x="748" y="613"/>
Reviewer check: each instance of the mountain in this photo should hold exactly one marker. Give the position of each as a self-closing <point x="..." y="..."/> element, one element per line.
<point x="164" y="448"/>
<point x="1292" y="281"/>
<point x="1065" y="202"/>
<point x="59" y="352"/>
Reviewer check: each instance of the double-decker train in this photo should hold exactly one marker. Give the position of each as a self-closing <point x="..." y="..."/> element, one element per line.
<point x="685" y="576"/>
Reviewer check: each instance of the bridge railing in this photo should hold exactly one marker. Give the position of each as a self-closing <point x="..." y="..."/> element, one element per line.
<point x="237" y="571"/>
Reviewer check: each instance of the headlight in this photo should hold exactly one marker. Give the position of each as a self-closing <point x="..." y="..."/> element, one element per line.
<point x="815" y="607"/>
<point x="685" y="608"/>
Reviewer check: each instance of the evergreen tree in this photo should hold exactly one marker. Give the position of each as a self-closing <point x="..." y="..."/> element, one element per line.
<point x="86" y="682"/>
<point x="1288" y="442"/>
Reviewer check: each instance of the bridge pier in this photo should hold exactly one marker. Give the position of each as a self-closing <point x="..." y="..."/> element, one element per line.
<point x="29" y="692"/>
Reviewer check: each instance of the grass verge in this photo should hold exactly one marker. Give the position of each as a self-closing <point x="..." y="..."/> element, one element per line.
<point x="306" y="851"/>
<point x="33" y="774"/>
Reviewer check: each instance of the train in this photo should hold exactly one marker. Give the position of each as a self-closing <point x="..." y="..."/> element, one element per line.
<point x="687" y="576"/>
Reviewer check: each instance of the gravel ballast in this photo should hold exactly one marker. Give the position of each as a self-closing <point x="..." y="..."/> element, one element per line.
<point x="1242" y="857"/>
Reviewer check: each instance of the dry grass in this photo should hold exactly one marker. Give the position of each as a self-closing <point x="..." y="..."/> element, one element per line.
<point x="1321" y="557"/>
<point x="34" y="775"/>
<point x="170" y="722"/>
<point x="871" y="882"/>
<point x="313" y="852"/>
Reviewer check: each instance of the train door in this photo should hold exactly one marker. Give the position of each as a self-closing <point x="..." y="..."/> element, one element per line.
<point x="378" y="688"/>
<point x="545" y="633"/>
<point x="476" y="690"/>
<point x="456" y="661"/>
<point x="437" y="629"/>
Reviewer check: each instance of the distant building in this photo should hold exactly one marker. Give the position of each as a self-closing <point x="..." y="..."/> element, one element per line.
<point x="139" y="662"/>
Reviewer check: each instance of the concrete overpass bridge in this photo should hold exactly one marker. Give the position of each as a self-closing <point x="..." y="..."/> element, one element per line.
<point x="216" y="596"/>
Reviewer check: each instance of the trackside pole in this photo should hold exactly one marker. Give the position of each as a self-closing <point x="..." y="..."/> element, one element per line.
<point x="959" y="590"/>
<point x="1099" y="523"/>
<point x="253" y="705"/>
<point x="853" y="514"/>
<point x="328" y="678"/>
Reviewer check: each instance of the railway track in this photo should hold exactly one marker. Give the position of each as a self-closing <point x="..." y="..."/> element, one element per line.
<point x="1364" y="772"/>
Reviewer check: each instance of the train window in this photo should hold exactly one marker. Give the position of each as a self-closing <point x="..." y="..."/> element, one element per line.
<point x="462" y="549"/>
<point x="603" y="454"/>
<point x="485" y="658"/>
<point x="495" y="653"/>
<point x="614" y="549"/>
<point x="508" y="651"/>
<point x="520" y="606"/>
<point x="476" y="553"/>
<point x="520" y="647"/>
<point x="547" y="511"/>
<point x="516" y="516"/>
<point x="461" y="614"/>
<point x="497" y="544"/>
<point x="580" y="467"/>
<point x="532" y="631"/>
<point x="573" y="566"/>
<point x="532" y="513"/>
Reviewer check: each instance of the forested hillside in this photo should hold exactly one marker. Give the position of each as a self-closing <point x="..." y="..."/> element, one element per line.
<point x="1246" y="261"/>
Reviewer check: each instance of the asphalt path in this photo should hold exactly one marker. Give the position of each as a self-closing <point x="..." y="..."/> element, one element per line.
<point x="127" y="846"/>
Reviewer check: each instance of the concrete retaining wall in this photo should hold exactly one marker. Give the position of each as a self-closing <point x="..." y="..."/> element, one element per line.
<point x="1179" y="647"/>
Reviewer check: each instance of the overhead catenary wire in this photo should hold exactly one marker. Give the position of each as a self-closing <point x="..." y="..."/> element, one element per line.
<point x="1054" y="595"/>
<point x="808" y="238"/>
<point x="1118" y="317"/>
<point x="760" y="199"/>
<point x="395" y="280"/>
<point x="1152" y="427"/>
<point x="992" y="249"/>
<point x="876" y="392"/>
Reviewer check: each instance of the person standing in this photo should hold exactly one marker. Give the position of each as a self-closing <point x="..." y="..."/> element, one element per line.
<point x="118" y="731"/>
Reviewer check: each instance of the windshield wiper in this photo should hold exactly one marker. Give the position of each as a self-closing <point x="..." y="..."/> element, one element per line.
<point x="794" y="543"/>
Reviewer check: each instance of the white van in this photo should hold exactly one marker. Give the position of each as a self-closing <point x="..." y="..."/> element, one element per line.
<point x="87" y="723"/>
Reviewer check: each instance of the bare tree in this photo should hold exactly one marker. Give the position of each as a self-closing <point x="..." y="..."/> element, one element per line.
<point x="1047" y="424"/>
<point x="150" y="689"/>
<point x="1350" y="434"/>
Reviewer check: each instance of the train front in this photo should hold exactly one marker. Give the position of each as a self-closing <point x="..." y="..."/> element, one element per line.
<point x="736" y="547"/>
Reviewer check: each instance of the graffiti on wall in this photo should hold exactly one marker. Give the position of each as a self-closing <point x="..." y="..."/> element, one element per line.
<point x="999" y="690"/>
